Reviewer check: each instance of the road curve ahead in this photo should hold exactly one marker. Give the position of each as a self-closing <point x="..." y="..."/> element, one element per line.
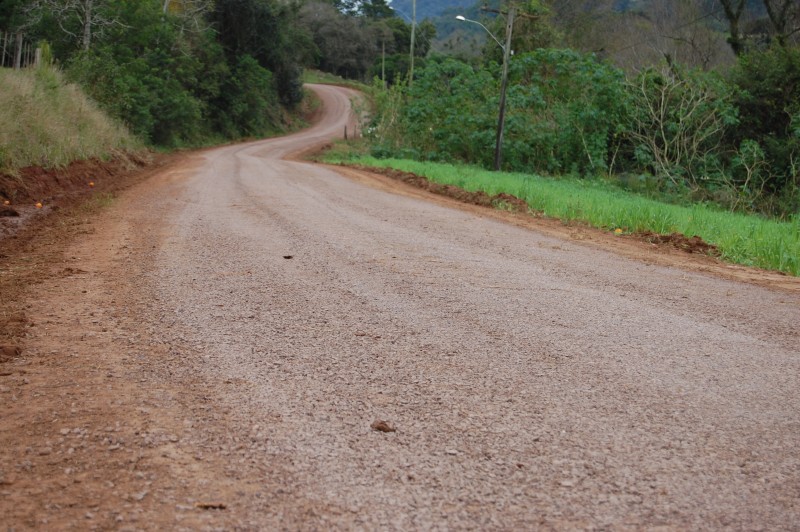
<point x="531" y="383"/>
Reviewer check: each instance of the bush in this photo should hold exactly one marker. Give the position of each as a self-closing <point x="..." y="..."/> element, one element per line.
<point x="250" y="101"/>
<point x="563" y="112"/>
<point x="768" y="102"/>
<point x="678" y="120"/>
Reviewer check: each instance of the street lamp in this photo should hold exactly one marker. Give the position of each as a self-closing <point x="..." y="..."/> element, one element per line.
<point x="501" y="120"/>
<point x="464" y="19"/>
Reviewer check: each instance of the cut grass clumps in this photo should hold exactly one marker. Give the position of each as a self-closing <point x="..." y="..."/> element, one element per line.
<point x="47" y="122"/>
<point x="744" y="239"/>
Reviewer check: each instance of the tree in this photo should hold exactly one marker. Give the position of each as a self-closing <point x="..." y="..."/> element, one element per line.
<point x="733" y="13"/>
<point x="79" y="19"/>
<point x="679" y="121"/>
<point x="768" y="103"/>
<point x="11" y="14"/>
<point x="784" y="15"/>
<point x="376" y="9"/>
<point x="346" y="46"/>
<point x="533" y="28"/>
<point x="265" y="30"/>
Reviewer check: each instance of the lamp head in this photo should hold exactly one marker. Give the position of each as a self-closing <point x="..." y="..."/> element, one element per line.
<point x="461" y="18"/>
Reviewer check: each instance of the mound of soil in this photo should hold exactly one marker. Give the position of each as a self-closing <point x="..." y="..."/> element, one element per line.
<point x="37" y="184"/>
<point x="35" y="191"/>
<point x="693" y="244"/>
<point x="481" y="198"/>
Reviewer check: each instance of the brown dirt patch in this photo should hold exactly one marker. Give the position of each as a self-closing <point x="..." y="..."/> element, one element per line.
<point x="35" y="183"/>
<point x="693" y="244"/>
<point x="33" y="241"/>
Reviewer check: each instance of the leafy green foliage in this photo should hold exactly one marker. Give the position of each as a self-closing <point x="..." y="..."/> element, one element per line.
<point x="144" y="77"/>
<point x="181" y="76"/>
<point x="678" y="121"/>
<point x="446" y="114"/>
<point x="263" y="29"/>
<point x="768" y="102"/>
<point x="251" y="102"/>
<point x="669" y="131"/>
<point x="563" y="111"/>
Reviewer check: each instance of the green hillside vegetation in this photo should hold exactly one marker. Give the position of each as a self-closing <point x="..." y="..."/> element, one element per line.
<point x="48" y="122"/>
<point x="175" y="72"/>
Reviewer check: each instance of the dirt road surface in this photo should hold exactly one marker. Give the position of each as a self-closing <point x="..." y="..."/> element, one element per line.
<point x="213" y="351"/>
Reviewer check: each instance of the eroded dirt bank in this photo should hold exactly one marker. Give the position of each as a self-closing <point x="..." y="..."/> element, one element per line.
<point x="212" y="350"/>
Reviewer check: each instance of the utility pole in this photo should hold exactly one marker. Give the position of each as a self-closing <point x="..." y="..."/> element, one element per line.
<point x="501" y="121"/>
<point x="413" y="31"/>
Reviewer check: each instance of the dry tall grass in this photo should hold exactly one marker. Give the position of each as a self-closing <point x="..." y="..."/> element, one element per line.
<point x="47" y="122"/>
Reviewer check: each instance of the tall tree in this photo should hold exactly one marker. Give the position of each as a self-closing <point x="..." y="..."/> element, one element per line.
<point x="733" y="13"/>
<point x="265" y="30"/>
<point x="376" y="9"/>
<point x="79" y="19"/>
<point x="11" y="14"/>
<point x="346" y="45"/>
<point x="784" y="15"/>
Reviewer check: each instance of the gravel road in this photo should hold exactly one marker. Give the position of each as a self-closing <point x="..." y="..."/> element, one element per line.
<point x="531" y="382"/>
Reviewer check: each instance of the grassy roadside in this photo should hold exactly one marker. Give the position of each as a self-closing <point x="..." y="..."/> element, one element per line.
<point x="48" y="122"/>
<point x="742" y="239"/>
<point x="325" y="78"/>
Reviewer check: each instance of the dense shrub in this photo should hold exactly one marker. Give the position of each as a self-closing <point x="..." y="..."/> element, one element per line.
<point x="564" y="110"/>
<point x="768" y="102"/>
<point x="669" y="131"/>
<point x="678" y="120"/>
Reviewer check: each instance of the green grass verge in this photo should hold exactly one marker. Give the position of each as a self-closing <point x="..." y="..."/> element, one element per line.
<point x="742" y="239"/>
<point x="50" y="123"/>
<point x="325" y="78"/>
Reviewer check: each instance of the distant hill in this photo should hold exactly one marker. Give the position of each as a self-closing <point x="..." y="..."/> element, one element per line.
<point x="429" y="8"/>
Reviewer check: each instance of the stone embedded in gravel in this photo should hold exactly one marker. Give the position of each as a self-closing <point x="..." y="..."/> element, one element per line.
<point x="7" y="352"/>
<point x="382" y="426"/>
<point x="211" y="505"/>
